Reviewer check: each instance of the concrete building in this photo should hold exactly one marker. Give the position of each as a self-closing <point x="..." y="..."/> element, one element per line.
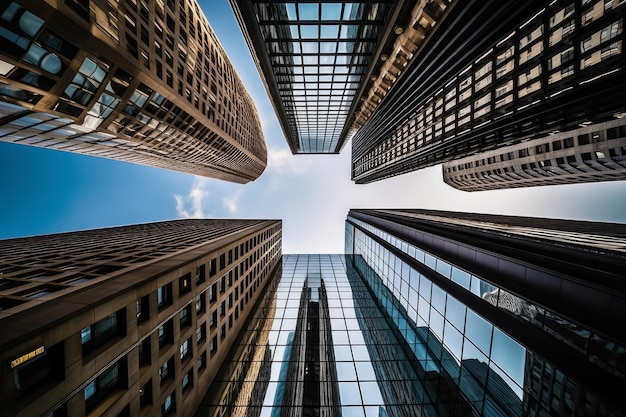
<point x="127" y="321"/>
<point x="587" y="154"/>
<point x="495" y="74"/>
<point x="139" y="81"/>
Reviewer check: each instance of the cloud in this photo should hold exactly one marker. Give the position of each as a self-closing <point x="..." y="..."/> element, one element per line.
<point x="231" y="202"/>
<point x="192" y="205"/>
<point x="282" y="161"/>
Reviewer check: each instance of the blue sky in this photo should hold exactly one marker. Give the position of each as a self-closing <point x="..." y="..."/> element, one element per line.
<point x="44" y="191"/>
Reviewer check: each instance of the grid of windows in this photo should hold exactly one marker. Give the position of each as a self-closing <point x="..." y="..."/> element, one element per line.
<point x="591" y="153"/>
<point x="319" y="53"/>
<point x="33" y="271"/>
<point x="424" y="19"/>
<point x="172" y="327"/>
<point x="531" y="66"/>
<point x="360" y="347"/>
<point x="207" y="126"/>
<point x="464" y="334"/>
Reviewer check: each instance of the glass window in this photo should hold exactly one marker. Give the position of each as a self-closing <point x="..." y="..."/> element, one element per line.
<point x="331" y="11"/>
<point x="478" y="330"/>
<point x="509" y="355"/>
<point x="96" y="391"/>
<point x="104" y="330"/>
<point x="308" y="11"/>
<point x="455" y="312"/>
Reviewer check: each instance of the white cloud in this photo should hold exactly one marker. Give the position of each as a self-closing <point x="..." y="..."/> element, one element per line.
<point x="192" y="205"/>
<point x="231" y="202"/>
<point x="282" y="161"/>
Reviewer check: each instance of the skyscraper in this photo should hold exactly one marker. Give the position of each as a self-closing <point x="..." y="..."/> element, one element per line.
<point x="344" y="361"/>
<point x="139" y="81"/>
<point x="127" y="321"/>
<point x="587" y="154"/>
<point x="495" y="74"/>
<point x="522" y="315"/>
<point x="438" y="314"/>
<point x="327" y="65"/>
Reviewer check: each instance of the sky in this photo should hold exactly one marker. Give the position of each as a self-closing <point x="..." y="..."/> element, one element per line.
<point x="46" y="191"/>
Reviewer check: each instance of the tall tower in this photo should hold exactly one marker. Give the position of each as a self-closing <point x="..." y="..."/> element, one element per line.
<point x="522" y="315"/>
<point x="588" y="154"/>
<point x="495" y="74"/>
<point x="131" y="320"/>
<point x="327" y="65"/>
<point x="138" y="81"/>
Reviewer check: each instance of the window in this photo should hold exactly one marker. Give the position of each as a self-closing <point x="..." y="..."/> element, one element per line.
<point x="166" y="333"/>
<point x="188" y="380"/>
<point x="143" y="309"/>
<point x="100" y="388"/>
<point x="200" y="274"/>
<point x="164" y="296"/>
<point x="33" y="373"/>
<point x="144" y="352"/>
<point x="200" y="302"/>
<point x="185" y="349"/>
<point x="213" y="347"/>
<point x="213" y="319"/>
<point x="145" y="394"/>
<point x="169" y="405"/>
<point x="202" y="361"/>
<point x="184" y="283"/>
<point x="201" y="333"/>
<point x="185" y="316"/>
<point x="212" y="267"/>
<point x="104" y="330"/>
<point x="213" y="293"/>
<point x="166" y="370"/>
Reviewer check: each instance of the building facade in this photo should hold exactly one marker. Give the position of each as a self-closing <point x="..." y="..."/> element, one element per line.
<point x="127" y="321"/>
<point x="513" y="316"/>
<point x="587" y="154"/>
<point x="139" y="81"/>
<point x="340" y="357"/>
<point x="326" y="66"/>
<point x="495" y="74"/>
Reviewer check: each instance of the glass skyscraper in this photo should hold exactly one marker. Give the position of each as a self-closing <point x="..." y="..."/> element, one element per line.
<point x="510" y="314"/>
<point x="395" y="327"/>
<point x="327" y="65"/>
<point x="319" y="345"/>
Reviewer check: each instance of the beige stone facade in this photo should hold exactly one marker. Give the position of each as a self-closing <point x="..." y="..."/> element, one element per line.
<point x="139" y="81"/>
<point x="145" y="330"/>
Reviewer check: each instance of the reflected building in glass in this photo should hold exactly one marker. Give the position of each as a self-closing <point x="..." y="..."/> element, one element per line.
<point x="139" y="81"/>
<point x="516" y="316"/>
<point x="332" y="350"/>
<point x="327" y="65"/>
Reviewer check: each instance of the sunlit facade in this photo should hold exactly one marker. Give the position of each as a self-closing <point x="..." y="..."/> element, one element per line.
<point x="499" y="73"/>
<point x="514" y="316"/>
<point x="139" y="81"/>
<point x="127" y="321"/>
<point x="592" y="153"/>
<point x="326" y="65"/>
